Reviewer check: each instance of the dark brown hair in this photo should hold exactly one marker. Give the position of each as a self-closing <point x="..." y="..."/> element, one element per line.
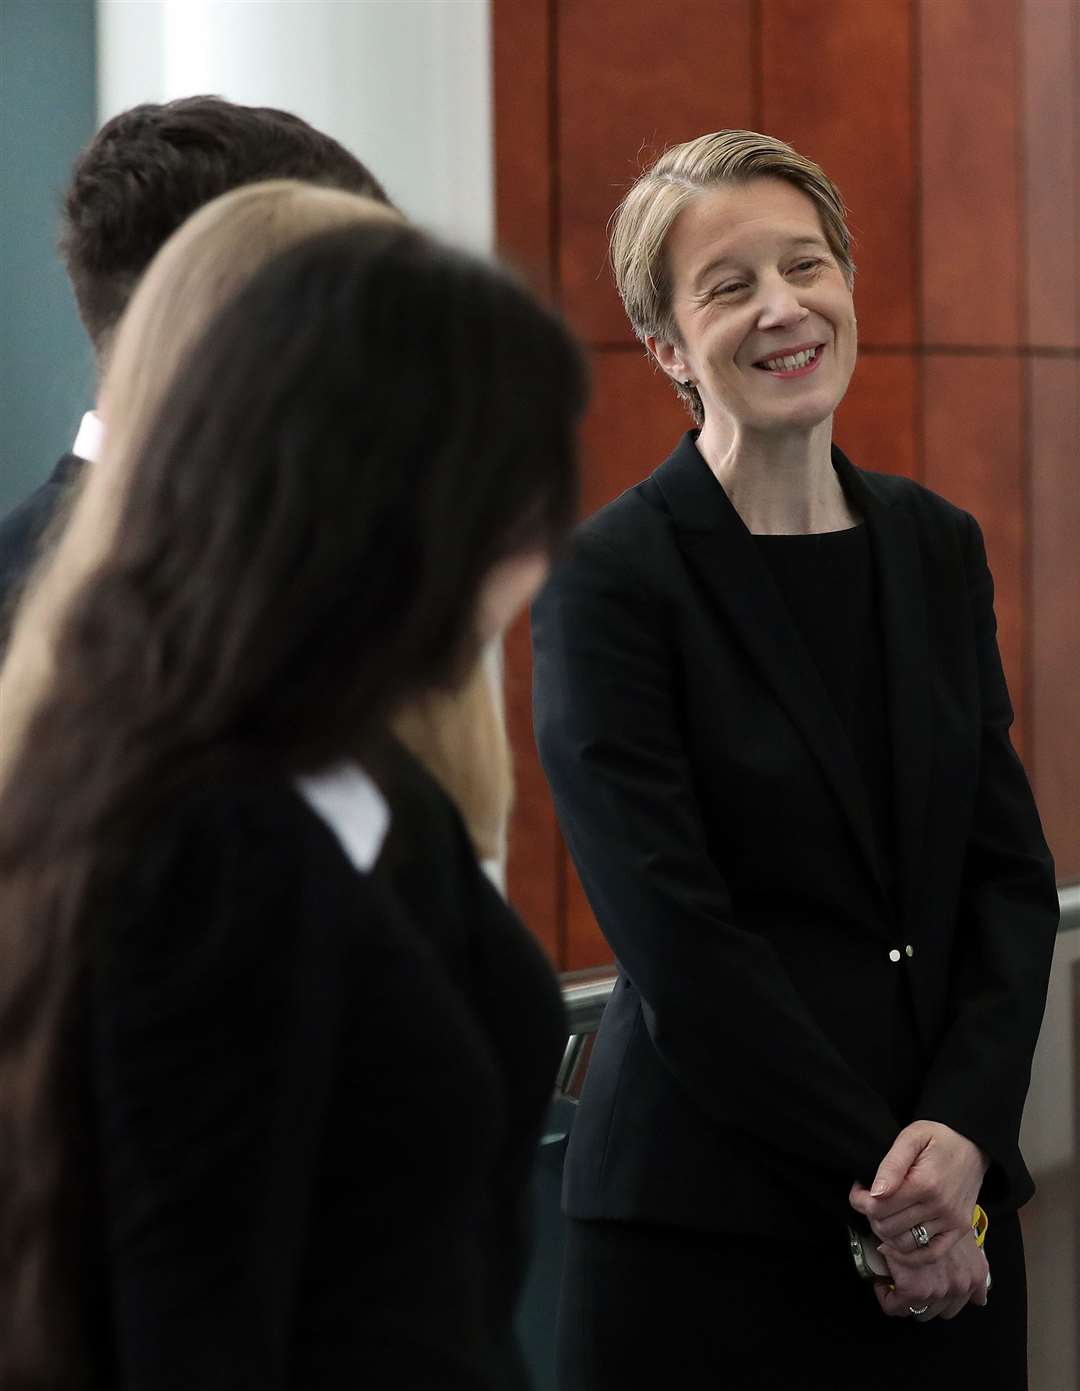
<point x="290" y="563"/>
<point x="149" y="168"/>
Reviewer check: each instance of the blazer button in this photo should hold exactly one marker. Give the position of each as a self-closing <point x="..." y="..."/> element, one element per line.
<point x="894" y="956"/>
<point x="909" y="950"/>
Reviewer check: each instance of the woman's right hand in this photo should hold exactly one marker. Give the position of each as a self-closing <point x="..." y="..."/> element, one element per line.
<point x="943" y="1287"/>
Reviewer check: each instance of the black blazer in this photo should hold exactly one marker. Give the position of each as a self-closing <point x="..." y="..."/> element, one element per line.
<point x="715" y="812"/>
<point x="21" y="532"/>
<point x="316" y="1101"/>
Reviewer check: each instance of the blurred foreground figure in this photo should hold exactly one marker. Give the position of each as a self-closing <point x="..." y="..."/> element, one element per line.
<point x="140" y="178"/>
<point x="265" y="1125"/>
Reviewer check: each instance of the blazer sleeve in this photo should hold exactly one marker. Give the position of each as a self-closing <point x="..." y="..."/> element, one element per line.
<point x="1007" y="924"/>
<point x="215" y="1003"/>
<point x="722" y="1013"/>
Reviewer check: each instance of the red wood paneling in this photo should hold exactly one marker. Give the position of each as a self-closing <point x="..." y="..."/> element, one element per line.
<point x="634" y="422"/>
<point x="969" y="94"/>
<point x="875" y="425"/>
<point x="535" y="860"/>
<point x="1055" y="599"/>
<point x="585" y="944"/>
<point x="524" y="184"/>
<point x="811" y="54"/>
<point x="634" y="78"/>
<point x="524" y="151"/>
<point x="1051" y="173"/>
<point x="974" y="456"/>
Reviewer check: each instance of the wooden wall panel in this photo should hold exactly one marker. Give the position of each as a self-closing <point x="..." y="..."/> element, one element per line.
<point x="969" y="98"/>
<point x="634" y="422"/>
<point x="812" y="53"/>
<point x="585" y="943"/>
<point x="1055" y="607"/>
<point x="524" y="202"/>
<point x="536" y="860"/>
<point x="524" y="150"/>
<point x="634" y="78"/>
<point x="974" y="456"/>
<point x="1051" y="163"/>
<point x="876" y="422"/>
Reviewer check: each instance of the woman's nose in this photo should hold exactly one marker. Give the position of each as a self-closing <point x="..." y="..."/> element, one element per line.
<point x="780" y="307"/>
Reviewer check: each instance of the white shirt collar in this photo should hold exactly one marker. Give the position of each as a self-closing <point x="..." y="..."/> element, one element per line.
<point x="354" y="809"/>
<point x="90" y="441"/>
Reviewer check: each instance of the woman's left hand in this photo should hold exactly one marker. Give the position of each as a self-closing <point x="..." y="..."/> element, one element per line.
<point x="938" y="1290"/>
<point x="930" y="1179"/>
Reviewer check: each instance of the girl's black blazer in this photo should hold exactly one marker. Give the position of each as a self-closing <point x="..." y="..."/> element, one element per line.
<point x="716" y="816"/>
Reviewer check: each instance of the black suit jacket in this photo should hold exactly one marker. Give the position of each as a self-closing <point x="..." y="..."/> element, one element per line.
<point x="716" y="814"/>
<point x="21" y="532"/>
<point x="317" y="1096"/>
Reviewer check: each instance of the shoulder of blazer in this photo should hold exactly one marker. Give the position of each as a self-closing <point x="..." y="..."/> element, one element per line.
<point x="627" y="520"/>
<point x="893" y="489"/>
<point x="634" y="532"/>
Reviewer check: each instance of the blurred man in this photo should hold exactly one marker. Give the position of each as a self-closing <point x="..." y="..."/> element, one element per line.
<point x="144" y="173"/>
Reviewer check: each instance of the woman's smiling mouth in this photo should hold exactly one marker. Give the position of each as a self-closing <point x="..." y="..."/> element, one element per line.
<point x="792" y="362"/>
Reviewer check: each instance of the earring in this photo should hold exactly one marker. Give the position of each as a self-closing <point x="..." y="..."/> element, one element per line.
<point x="688" y="382"/>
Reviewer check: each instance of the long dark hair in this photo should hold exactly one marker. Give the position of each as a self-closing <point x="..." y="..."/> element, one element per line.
<point x="360" y="436"/>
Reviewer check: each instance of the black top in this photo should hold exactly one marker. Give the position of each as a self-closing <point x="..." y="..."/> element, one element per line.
<point x="827" y="582"/>
<point x="316" y="1104"/>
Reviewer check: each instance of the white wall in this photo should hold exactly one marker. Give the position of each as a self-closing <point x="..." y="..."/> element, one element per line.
<point x="404" y="84"/>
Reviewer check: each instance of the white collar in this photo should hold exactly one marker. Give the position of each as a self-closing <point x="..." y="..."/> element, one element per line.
<point x="90" y="441"/>
<point x="354" y="809"/>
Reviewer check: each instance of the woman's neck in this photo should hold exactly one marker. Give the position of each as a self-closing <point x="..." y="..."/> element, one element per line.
<point x="780" y="483"/>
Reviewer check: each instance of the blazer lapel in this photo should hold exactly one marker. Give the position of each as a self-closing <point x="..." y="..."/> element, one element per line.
<point x="902" y="589"/>
<point x="722" y="553"/>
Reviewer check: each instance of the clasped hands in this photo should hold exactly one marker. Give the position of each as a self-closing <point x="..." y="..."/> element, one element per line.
<point x="930" y="1179"/>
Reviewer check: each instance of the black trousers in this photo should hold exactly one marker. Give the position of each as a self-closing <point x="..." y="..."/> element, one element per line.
<point x="656" y="1307"/>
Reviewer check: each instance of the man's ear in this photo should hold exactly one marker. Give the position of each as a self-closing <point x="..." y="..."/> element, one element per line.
<point x="669" y="357"/>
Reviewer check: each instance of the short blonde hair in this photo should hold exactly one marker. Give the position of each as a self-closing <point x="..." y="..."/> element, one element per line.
<point x="643" y="220"/>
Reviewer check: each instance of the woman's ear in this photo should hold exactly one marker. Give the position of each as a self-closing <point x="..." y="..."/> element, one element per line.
<point x="669" y="357"/>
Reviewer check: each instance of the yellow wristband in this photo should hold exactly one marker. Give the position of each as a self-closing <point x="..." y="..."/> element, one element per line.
<point x="980" y="1225"/>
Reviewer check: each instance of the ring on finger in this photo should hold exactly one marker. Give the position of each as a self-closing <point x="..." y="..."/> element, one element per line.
<point x="922" y="1237"/>
<point x="917" y="1309"/>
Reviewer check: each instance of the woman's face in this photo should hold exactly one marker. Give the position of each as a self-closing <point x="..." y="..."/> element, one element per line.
<point x="754" y="282"/>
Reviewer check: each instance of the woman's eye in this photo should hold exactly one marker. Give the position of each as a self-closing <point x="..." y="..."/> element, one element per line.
<point x="804" y="267"/>
<point x="732" y="288"/>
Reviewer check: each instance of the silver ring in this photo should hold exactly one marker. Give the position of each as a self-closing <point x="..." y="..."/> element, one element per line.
<point x="920" y="1310"/>
<point x="921" y="1235"/>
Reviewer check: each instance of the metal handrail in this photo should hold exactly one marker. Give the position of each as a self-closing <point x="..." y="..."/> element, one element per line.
<point x="585" y="993"/>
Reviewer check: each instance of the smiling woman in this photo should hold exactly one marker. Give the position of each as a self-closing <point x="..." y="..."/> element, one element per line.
<point x="770" y="704"/>
<point x="758" y="302"/>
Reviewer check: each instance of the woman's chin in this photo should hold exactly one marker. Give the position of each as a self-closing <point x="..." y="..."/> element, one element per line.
<point x="798" y="417"/>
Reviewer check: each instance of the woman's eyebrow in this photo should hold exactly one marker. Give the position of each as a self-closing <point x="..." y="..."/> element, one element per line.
<point x="728" y="259"/>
